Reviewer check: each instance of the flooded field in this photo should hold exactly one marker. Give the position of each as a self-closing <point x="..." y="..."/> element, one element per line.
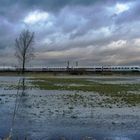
<point x="70" y="108"/>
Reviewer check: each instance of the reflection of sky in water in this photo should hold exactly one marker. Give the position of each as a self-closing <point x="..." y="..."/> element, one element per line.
<point x="33" y="122"/>
<point x="122" y="138"/>
<point x="116" y="138"/>
<point x="119" y="138"/>
<point x="124" y="80"/>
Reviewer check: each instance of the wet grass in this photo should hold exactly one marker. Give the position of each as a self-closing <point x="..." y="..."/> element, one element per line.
<point x="116" y="92"/>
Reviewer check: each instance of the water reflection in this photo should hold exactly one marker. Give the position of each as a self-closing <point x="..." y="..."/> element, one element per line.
<point x="13" y="124"/>
<point x="38" y="116"/>
<point x="22" y="118"/>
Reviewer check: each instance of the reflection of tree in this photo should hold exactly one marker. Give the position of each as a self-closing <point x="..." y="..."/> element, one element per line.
<point x="22" y="113"/>
<point x="23" y="86"/>
<point x="21" y="93"/>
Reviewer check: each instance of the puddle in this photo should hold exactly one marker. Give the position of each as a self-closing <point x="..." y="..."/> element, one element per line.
<point x="65" y="115"/>
<point x="115" y="80"/>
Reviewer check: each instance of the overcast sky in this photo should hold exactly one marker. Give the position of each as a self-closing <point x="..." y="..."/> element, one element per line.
<point x="92" y="32"/>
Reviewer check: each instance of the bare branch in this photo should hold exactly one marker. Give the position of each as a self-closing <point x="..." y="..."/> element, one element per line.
<point x="24" y="47"/>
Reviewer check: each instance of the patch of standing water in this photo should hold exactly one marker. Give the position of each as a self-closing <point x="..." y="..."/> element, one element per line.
<point x="71" y="115"/>
<point x="116" y="80"/>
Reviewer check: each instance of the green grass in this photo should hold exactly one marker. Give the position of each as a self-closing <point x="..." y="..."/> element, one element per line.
<point x="117" y="92"/>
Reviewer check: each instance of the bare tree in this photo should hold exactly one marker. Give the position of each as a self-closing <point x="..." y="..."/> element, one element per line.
<point x="24" y="48"/>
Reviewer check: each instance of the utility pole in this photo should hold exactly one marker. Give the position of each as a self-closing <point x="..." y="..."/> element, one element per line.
<point x="76" y="63"/>
<point x="68" y="64"/>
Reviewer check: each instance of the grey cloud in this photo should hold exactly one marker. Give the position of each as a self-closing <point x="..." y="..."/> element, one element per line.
<point x="54" y="5"/>
<point x="132" y="15"/>
<point x="83" y="24"/>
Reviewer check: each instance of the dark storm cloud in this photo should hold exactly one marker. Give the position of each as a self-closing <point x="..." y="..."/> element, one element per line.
<point x="89" y="31"/>
<point x="9" y="6"/>
<point x="54" y="5"/>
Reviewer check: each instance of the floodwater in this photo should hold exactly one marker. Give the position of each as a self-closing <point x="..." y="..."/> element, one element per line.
<point x="55" y="115"/>
<point x="116" y="80"/>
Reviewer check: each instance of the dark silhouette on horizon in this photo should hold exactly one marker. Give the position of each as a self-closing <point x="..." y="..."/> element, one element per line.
<point x="24" y="48"/>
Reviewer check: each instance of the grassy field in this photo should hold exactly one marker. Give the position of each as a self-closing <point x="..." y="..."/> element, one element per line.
<point x="116" y="93"/>
<point x="127" y="93"/>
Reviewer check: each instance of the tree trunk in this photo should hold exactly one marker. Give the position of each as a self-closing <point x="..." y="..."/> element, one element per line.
<point x="23" y="66"/>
